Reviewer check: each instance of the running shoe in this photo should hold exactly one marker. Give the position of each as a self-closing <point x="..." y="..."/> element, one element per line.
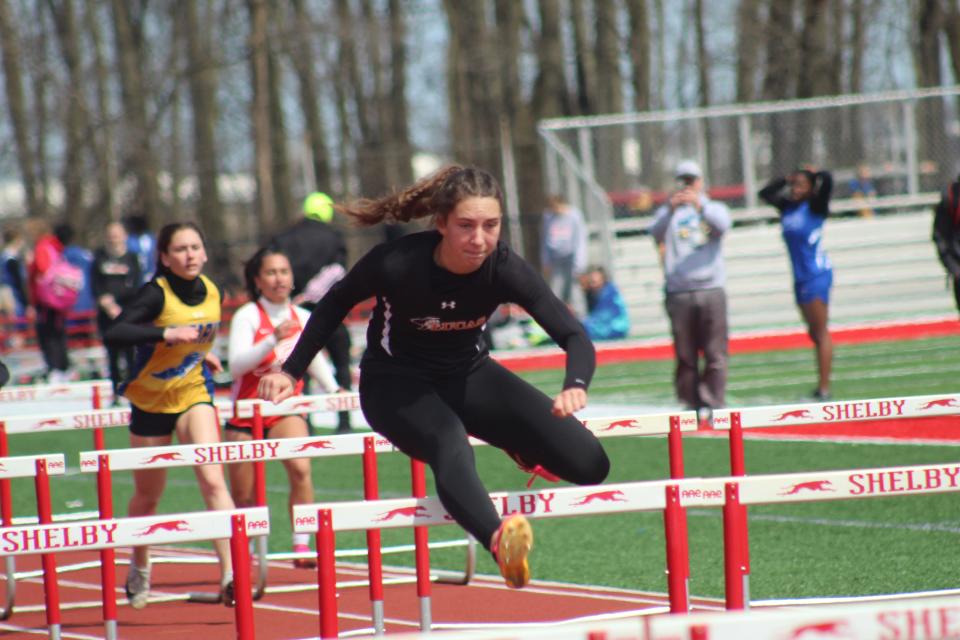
<point x="138" y="586"/>
<point x="535" y="470"/>
<point x="306" y="562"/>
<point x="511" y="545"/>
<point x="226" y="592"/>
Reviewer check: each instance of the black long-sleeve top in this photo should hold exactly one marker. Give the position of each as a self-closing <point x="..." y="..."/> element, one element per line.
<point x="774" y="195"/>
<point x="133" y="325"/>
<point x="428" y="322"/>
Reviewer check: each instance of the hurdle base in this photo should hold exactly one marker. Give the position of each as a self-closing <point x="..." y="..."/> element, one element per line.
<point x="55" y="632"/>
<point x="110" y="629"/>
<point x="378" y="617"/>
<point x="11" y="580"/>
<point x="205" y="597"/>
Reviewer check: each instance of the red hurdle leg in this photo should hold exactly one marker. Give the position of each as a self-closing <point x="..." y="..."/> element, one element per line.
<point x="374" y="557"/>
<point x="326" y="574"/>
<point x="421" y="542"/>
<point x="6" y="514"/>
<point x="675" y="451"/>
<point x="98" y="442"/>
<point x="51" y="588"/>
<point x="243" y="599"/>
<point x="676" y="552"/>
<point x="738" y="467"/>
<point x="108" y="557"/>
<point x="735" y="573"/>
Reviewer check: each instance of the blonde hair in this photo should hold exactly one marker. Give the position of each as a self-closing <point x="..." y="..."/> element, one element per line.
<point x="435" y="195"/>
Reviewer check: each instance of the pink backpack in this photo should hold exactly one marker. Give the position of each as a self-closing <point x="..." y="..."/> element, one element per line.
<point x="59" y="286"/>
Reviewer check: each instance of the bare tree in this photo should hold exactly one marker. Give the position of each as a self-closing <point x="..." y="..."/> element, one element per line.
<point x="304" y="59"/>
<point x="781" y="54"/>
<point x="282" y="196"/>
<point x="17" y="107"/>
<point x="928" y="25"/>
<point x="609" y="90"/>
<point x="102" y="127"/>
<point x="749" y="32"/>
<point x="586" y="63"/>
<point x="128" y="37"/>
<point x="201" y="75"/>
<point x="260" y="112"/>
<point x="399" y="167"/>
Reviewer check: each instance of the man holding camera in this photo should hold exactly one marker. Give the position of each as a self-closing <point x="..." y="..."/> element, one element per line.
<point x="688" y="229"/>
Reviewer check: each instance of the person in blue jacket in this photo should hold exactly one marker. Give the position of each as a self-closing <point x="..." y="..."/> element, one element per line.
<point x="803" y="200"/>
<point x="607" y="317"/>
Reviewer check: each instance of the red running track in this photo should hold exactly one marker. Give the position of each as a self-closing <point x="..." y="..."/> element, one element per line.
<point x="284" y="615"/>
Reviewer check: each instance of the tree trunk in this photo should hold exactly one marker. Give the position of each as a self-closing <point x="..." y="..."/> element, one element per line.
<point x="128" y="37"/>
<point x="609" y="155"/>
<point x="928" y="24"/>
<point x="260" y="114"/>
<point x="282" y="196"/>
<point x="749" y="34"/>
<point x="105" y="165"/>
<point x="202" y="82"/>
<point x="75" y="116"/>
<point x="400" y="167"/>
<point x="303" y="58"/>
<point x="780" y="70"/>
<point x="17" y="107"/>
<point x="586" y="63"/>
<point x="40" y="75"/>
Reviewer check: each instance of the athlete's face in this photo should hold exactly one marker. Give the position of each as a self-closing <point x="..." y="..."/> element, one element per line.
<point x="800" y="186"/>
<point x="185" y="255"/>
<point x="275" y="279"/>
<point x="470" y="233"/>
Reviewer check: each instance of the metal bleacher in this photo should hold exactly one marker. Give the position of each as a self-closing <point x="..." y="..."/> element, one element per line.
<point x="885" y="268"/>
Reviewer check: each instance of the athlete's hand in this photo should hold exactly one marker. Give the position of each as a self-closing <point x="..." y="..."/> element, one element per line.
<point x="180" y="335"/>
<point x="568" y="401"/>
<point x="275" y="387"/>
<point x="285" y="329"/>
<point x="213" y="362"/>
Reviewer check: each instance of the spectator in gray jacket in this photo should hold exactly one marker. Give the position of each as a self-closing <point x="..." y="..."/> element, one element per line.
<point x="563" y="246"/>
<point x="688" y="228"/>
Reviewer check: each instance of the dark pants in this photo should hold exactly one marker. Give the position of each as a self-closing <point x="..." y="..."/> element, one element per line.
<point x="430" y="421"/>
<point x="52" y="337"/>
<point x="699" y="323"/>
<point x="956" y="291"/>
<point x="338" y="347"/>
<point x="115" y="354"/>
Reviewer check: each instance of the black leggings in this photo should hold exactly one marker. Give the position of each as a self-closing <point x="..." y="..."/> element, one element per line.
<point x="430" y="421"/>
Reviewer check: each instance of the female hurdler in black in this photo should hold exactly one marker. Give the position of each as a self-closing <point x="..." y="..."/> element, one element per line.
<point x="427" y="379"/>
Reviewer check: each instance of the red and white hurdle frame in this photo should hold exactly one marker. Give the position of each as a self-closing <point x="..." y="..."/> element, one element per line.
<point x="39" y="468"/>
<point x="96" y="391"/>
<point x="108" y="534"/>
<point x="670" y="496"/>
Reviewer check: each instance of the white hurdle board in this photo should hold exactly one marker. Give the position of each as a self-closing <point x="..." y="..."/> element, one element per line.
<point x="26" y="466"/>
<point x="906" y="618"/>
<point x="947" y="404"/>
<point x="57" y="392"/>
<point x="129" y="532"/>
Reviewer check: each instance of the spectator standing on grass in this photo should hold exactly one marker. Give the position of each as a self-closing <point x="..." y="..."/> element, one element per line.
<point x="689" y="230"/>
<point x="946" y="235"/>
<point x="53" y="289"/>
<point x="262" y="334"/>
<point x="607" y="317"/>
<point x="173" y="321"/>
<point x="115" y="279"/>
<point x="142" y="243"/>
<point x="427" y="377"/>
<point x="862" y="188"/>
<point x="13" y="271"/>
<point x="83" y="309"/>
<point x="563" y="246"/>
<point x="803" y="200"/>
<point x="318" y="256"/>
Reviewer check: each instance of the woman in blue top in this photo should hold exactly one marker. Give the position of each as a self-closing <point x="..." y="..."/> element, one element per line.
<point x="803" y="210"/>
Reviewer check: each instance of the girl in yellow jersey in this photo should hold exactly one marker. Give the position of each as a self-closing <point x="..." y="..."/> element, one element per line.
<point x="173" y="321"/>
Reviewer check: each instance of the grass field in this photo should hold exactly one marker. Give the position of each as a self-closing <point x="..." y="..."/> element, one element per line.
<point x="882" y="545"/>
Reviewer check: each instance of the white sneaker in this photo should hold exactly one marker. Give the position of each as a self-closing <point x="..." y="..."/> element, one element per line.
<point x="138" y="586"/>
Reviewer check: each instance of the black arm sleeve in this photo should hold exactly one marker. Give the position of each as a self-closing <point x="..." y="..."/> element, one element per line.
<point x="771" y="194"/>
<point x="822" y="188"/>
<point x="527" y="288"/>
<point x="944" y="233"/>
<point x="131" y="326"/>
<point x="358" y="285"/>
<point x="97" y="285"/>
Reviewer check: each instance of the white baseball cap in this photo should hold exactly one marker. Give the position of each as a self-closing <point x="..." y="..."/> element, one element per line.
<point x="688" y="168"/>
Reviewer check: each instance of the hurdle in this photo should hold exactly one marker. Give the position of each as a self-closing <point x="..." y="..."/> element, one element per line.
<point x="907" y="618"/>
<point x="108" y="534"/>
<point x="39" y="468"/>
<point x="734" y="421"/>
<point x="97" y="391"/>
<point x="671" y="497"/>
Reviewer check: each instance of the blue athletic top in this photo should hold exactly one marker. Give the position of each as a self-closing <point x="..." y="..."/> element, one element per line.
<point x="802" y="226"/>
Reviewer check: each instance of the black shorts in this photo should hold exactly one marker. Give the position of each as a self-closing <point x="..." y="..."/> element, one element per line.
<point x="150" y="425"/>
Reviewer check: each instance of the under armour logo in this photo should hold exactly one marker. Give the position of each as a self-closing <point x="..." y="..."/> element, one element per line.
<point x="449" y="305"/>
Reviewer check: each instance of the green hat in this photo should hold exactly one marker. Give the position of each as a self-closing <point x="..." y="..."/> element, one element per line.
<point x="318" y="206"/>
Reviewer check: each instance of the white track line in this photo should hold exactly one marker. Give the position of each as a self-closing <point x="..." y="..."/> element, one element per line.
<point x="44" y="631"/>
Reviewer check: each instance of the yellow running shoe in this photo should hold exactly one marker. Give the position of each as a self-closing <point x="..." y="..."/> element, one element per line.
<point x="511" y="545"/>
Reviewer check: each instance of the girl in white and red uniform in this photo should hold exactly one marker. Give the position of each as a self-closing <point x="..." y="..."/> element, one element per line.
<point x="262" y="335"/>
